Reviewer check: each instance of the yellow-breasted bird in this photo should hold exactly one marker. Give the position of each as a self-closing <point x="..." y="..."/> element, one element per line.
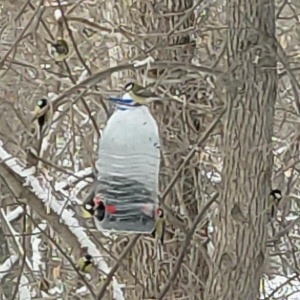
<point x="85" y="263"/>
<point x="141" y="95"/>
<point x="88" y="208"/>
<point x="273" y="201"/>
<point x="87" y="211"/>
<point x="95" y="207"/>
<point x="43" y="112"/>
<point x="159" y="232"/>
<point x="89" y="205"/>
<point x="58" y="50"/>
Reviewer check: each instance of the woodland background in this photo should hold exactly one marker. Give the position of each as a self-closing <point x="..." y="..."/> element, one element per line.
<point x="230" y="90"/>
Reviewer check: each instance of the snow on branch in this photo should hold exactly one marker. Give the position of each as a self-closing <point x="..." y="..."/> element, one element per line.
<point x="45" y="195"/>
<point x="35" y="243"/>
<point x="72" y="178"/>
<point x="24" y="291"/>
<point x="147" y="61"/>
<point x="14" y="214"/>
<point x="7" y="265"/>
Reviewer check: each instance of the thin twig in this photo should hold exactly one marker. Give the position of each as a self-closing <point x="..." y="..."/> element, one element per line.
<point x="116" y="266"/>
<point x="184" y="247"/>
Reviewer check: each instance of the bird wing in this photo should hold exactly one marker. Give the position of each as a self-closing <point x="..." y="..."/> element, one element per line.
<point x="272" y="211"/>
<point x="160" y="230"/>
<point x="153" y="233"/>
<point x="163" y="230"/>
<point x="271" y="205"/>
<point x="145" y="93"/>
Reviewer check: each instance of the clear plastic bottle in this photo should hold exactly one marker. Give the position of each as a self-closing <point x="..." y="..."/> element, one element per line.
<point x="128" y="168"/>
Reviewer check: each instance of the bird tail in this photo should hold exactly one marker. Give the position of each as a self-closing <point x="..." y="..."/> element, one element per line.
<point x="160" y="250"/>
<point x="271" y="213"/>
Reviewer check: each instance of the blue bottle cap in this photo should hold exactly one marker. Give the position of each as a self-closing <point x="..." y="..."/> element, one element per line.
<point x="124" y="102"/>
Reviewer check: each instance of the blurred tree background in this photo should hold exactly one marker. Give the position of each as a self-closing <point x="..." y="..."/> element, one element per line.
<point x="228" y="76"/>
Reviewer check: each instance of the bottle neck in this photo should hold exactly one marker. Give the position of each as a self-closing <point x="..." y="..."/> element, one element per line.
<point x="125" y="107"/>
<point x="123" y="103"/>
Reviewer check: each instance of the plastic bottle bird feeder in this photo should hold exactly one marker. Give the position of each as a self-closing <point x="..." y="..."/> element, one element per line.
<point x="128" y="163"/>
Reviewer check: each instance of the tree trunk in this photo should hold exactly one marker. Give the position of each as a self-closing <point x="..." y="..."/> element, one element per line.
<point x="251" y="94"/>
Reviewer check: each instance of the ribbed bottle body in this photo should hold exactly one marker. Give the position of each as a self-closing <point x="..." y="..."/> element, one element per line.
<point x="128" y="168"/>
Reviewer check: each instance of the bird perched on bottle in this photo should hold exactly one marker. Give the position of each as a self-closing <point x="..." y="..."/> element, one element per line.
<point x="96" y="207"/>
<point x="58" y="50"/>
<point x="43" y="114"/>
<point x="87" y="211"/>
<point x="141" y="95"/>
<point x="88" y="208"/>
<point x="85" y="263"/>
<point x="159" y="232"/>
<point x="273" y="201"/>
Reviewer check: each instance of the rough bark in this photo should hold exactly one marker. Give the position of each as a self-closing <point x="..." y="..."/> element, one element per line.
<point x="251" y="93"/>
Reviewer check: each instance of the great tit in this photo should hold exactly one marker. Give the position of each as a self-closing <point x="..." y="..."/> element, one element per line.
<point x="87" y="211"/>
<point x="88" y="208"/>
<point x="95" y="206"/>
<point x="98" y="208"/>
<point x="43" y="113"/>
<point x="140" y="94"/>
<point x="273" y="201"/>
<point x="85" y="263"/>
<point x="58" y="50"/>
<point x="159" y="232"/>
